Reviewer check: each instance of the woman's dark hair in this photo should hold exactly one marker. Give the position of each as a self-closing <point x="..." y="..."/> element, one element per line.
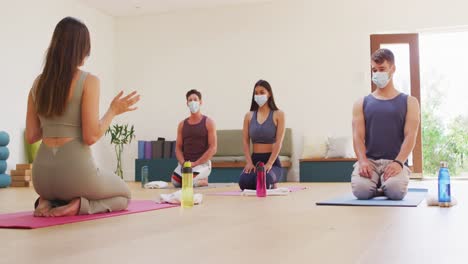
<point x="271" y="100"/>
<point x="69" y="46"/>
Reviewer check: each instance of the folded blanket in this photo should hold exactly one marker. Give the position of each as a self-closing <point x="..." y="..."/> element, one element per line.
<point x="433" y="200"/>
<point x="271" y="192"/>
<point x="156" y="185"/>
<point x="175" y="198"/>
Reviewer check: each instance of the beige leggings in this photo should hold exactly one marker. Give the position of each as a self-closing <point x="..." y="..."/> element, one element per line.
<point x="68" y="172"/>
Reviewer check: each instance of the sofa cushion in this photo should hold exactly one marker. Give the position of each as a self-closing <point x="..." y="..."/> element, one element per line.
<point x="340" y="147"/>
<point x="314" y="146"/>
<point x="229" y="143"/>
<point x="286" y="149"/>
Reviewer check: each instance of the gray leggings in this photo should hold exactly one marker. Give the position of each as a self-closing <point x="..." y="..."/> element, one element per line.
<point x="395" y="188"/>
<point x="69" y="172"/>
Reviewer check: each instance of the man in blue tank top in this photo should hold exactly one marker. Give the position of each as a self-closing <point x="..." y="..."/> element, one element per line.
<point x="385" y="126"/>
<point x="196" y="142"/>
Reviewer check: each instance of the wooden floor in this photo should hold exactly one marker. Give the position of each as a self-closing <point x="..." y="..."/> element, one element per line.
<point x="288" y="229"/>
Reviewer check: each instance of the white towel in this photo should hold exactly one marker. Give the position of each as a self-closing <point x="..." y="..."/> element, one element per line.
<point x="156" y="185"/>
<point x="174" y="198"/>
<point x="271" y="192"/>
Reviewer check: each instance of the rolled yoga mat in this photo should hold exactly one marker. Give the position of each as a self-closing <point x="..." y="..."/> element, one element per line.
<point x="167" y="150"/>
<point x="141" y="149"/>
<point x="412" y="199"/>
<point x="26" y="220"/>
<point x="157" y="149"/>
<point x="148" y="150"/>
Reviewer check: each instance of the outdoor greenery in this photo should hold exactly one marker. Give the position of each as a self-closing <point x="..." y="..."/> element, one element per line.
<point x="442" y="140"/>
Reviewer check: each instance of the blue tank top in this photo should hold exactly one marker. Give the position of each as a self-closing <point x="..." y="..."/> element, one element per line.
<point x="264" y="133"/>
<point x="385" y="124"/>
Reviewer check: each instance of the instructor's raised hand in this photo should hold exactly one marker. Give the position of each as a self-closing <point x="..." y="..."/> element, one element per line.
<point x="120" y="105"/>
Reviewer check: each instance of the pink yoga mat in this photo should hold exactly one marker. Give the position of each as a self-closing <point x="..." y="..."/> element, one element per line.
<point x="239" y="193"/>
<point x="26" y="220"/>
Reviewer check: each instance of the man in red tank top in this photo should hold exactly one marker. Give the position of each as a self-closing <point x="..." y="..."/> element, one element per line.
<point x="196" y="142"/>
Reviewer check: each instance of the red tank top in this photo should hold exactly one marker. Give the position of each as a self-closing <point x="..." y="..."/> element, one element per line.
<point x="195" y="139"/>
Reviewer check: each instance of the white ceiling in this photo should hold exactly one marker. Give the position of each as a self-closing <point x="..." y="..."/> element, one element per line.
<point x="148" y="7"/>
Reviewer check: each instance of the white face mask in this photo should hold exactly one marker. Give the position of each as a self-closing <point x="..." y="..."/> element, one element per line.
<point x="261" y="99"/>
<point x="194" y="106"/>
<point x="381" y="79"/>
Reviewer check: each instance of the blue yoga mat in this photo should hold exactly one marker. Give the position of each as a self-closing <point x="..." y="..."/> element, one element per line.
<point x="412" y="199"/>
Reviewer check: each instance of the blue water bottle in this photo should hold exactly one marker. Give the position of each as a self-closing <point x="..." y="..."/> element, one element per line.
<point x="144" y="176"/>
<point x="444" y="185"/>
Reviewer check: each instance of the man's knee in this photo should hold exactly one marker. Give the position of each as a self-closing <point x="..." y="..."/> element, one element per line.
<point x="200" y="181"/>
<point x="395" y="189"/>
<point x="363" y="188"/>
<point x="175" y="181"/>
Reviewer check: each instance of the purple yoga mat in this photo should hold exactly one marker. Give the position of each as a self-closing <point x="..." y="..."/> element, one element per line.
<point x="26" y="220"/>
<point x="239" y="193"/>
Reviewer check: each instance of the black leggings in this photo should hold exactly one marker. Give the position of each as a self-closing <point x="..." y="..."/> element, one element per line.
<point x="249" y="180"/>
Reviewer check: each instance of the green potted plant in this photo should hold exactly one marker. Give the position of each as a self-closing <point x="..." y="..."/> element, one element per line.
<point x="121" y="135"/>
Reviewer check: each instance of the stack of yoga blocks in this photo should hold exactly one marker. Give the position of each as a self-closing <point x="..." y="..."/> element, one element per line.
<point x="5" y="179"/>
<point x="22" y="176"/>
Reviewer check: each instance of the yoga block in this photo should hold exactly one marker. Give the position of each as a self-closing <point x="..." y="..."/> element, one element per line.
<point x="21" y="178"/>
<point x="5" y="180"/>
<point x="4" y="138"/>
<point x="23" y="166"/>
<point x="4" y="153"/>
<point x="20" y="184"/>
<point x="326" y="170"/>
<point x="20" y="173"/>
<point x="3" y="166"/>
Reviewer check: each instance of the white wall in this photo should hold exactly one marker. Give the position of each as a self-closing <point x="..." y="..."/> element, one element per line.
<point x="314" y="53"/>
<point x="25" y="31"/>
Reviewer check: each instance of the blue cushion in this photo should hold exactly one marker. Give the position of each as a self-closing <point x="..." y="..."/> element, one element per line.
<point x="4" y="153"/>
<point x="3" y="166"/>
<point x="4" y="138"/>
<point x="5" y="180"/>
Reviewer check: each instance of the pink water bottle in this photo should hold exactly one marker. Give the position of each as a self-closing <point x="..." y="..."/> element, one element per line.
<point x="261" y="180"/>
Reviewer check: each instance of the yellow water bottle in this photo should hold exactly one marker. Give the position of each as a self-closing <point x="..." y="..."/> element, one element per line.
<point x="187" y="185"/>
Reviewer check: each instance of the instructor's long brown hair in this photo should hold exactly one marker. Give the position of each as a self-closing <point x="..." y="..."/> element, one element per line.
<point x="69" y="46"/>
